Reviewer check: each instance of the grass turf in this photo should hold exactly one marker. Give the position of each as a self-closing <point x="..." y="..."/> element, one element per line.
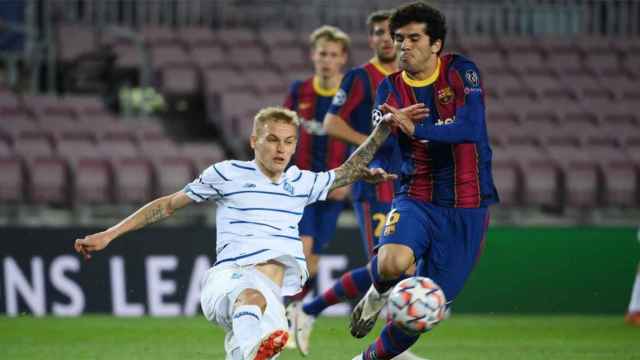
<point x="474" y="337"/>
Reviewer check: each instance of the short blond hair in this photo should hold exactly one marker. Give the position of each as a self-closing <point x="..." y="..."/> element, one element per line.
<point x="330" y="33"/>
<point x="276" y="114"/>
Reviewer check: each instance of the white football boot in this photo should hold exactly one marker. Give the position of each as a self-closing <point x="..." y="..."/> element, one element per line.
<point x="303" y="325"/>
<point x="365" y="313"/>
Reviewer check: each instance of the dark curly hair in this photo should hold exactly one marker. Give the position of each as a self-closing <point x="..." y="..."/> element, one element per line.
<point x="419" y="12"/>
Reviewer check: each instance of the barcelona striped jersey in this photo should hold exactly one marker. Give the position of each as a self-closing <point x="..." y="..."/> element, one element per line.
<point x="316" y="151"/>
<point x="448" y="160"/>
<point x="353" y="103"/>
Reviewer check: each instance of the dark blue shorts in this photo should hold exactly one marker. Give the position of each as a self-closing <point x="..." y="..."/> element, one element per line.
<point x="447" y="240"/>
<point x="371" y="216"/>
<point x="319" y="221"/>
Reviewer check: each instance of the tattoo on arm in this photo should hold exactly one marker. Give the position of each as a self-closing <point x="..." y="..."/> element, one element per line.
<point x="154" y="214"/>
<point x="350" y="171"/>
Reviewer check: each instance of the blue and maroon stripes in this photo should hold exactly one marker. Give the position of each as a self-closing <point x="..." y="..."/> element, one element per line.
<point x="315" y="151"/>
<point x="351" y="285"/>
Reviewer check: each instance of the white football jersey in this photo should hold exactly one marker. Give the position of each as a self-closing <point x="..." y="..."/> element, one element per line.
<point x="257" y="219"/>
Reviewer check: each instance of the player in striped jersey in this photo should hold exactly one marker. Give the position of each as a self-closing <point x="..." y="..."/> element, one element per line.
<point x="259" y="255"/>
<point x="349" y="119"/>
<point x="440" y="215"/>
<point x="316" y="151"/>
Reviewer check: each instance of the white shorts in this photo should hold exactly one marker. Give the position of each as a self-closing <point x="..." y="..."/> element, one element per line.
<point x="221" y="286"/>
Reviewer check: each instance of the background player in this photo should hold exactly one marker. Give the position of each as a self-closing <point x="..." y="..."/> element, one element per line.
<point x="242" y="292"/>
<point x="349" y="119"/>
<point x="633" y="313"/>
<point x="316" y="151"/>
<point x="440" y="216"/>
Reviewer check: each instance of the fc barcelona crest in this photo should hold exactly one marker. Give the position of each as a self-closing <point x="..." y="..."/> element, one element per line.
<point x="445" y="96"/>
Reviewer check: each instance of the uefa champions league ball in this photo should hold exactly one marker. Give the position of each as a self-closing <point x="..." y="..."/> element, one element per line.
<point x="417" y="304"/>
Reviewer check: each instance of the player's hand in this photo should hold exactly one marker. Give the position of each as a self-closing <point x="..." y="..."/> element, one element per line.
<point x="376" y="175"/>
<point x="91" y="243"/>
<point x="339" y="194"/>
<point x="405" y="118"/>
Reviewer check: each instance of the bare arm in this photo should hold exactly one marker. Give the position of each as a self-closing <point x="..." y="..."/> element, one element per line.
<point x="356" y="166"/>
<point x="154" y="211"/>
<point x="339" y="129"/>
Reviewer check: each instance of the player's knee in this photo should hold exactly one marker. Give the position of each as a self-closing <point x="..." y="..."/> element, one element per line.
<point x="252" y="297"/>
<point x="393" y="262"/>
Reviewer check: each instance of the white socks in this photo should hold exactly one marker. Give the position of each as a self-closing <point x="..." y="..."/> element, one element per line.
<point x="634" y="305"/>
<point x="246" y="326"/>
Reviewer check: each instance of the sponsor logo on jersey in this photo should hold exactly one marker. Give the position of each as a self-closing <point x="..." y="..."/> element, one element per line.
<point x="288" y="187"/>
<point x="446" y="121"/>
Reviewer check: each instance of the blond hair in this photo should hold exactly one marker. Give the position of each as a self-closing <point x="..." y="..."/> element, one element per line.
<point x="330" y="33"/>
<point x="276" y="114"/>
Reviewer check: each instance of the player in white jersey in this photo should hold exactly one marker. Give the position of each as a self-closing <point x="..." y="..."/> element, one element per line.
<point x="259" y="255"/>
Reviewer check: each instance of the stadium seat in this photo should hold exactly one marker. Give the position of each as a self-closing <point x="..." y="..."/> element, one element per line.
<point x="93" y="181"/>
<point x="11" y="130"/>
<point x="511" y="44"/>
<point x="203" y="155"/>
<point x="227" y="81"/>
<point x="489" y="60"/>
<point x="47" y="180"/>
<point x="169" y="55"/>
<point x="85" y="105"/>
<point x="505" y="175"/>
<point x="541" y="183"/>
<point x="128" y="55"/>
<point x="70" y="46"/>
<point x="359" y="56"/>
<point x="5" y="148"/>
<point x="117" y="148"/>
<point x="158" y="36"/>
<point x="172" y="173"/>
<point x="75" y="149"/>
<point x="132" y="180"/>
<point x="155" y="148"/>
<point x="527" y="62"/>
<point x="289" y="59"/>
<point x="266" y="81"/>
<point x="245" y="58"/>
<point x="541" y="84"/>
<point x="179" y="80"/>
<point x="502" y="124"/>
<point x="621" y="184"/>
<point x="594" y="45"/>
<point x="581" y="177"/>
<point x="11" y="180"/>
<point x="149" y="129"/>
<point x="566" y="62"/>
<point x="603" y="63"/>
<point x="209" y="56"/>
<point x="33" y="144"/>
<point x="237" y="38"/>
<point x="196" y="36"/>
<point x="278" y="39"/>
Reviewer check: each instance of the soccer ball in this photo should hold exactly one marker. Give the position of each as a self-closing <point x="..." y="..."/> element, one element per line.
<point x="417" y="304"/>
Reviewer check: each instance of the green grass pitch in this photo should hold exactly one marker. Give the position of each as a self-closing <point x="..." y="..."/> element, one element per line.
<point x="477" y="337"/>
